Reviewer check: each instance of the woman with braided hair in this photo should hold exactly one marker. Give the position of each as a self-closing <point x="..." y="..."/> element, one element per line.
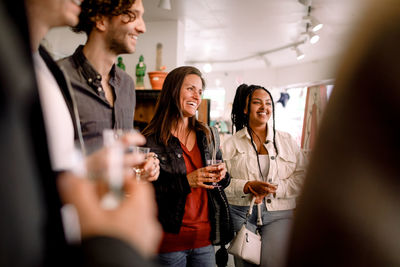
<point x="266" y="164"/>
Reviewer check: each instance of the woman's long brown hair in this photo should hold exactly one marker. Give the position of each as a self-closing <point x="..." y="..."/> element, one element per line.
<point x="168" y="108"/>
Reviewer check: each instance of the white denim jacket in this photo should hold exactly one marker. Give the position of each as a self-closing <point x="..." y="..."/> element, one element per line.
<point x="287" y="169"/>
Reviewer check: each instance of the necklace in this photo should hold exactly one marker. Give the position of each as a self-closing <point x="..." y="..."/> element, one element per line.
<point x="186" y="138"/>
<point x="183" y="136"/>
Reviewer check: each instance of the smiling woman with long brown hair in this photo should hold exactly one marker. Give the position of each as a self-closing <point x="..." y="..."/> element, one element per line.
<point x="186" y="200"/>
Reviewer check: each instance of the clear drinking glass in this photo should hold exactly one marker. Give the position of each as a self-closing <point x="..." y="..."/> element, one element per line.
<point x="139" y="168"/>
<point x="114" y="170"/>
<point x="271" y="195"/>
<point x="118" y="134"/>
<point x="216" y="162"/>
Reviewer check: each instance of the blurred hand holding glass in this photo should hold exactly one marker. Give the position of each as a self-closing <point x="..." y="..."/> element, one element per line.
<point x="114" y="169"/>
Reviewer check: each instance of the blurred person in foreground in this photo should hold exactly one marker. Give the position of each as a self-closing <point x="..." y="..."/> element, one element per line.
<point x="265" y="164"/>
<point x="189" y="206"/>
<point x="349" y="214"/>
<point x="117" y="237"/>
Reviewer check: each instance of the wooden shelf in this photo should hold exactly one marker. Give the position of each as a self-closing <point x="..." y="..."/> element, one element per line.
<point x="145" y="107"/>
<point x="148" y="94"/>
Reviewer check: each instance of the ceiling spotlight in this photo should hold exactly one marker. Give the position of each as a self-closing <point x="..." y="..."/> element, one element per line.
<point x="314" y="38"/>
<point x="305" y="2"/>
<point x="265" y="59"/>
<point x="207" y="68"/>
<point x="316" y="25"/>
<point x="299" y="55"/>
<point x="165" y="4"/>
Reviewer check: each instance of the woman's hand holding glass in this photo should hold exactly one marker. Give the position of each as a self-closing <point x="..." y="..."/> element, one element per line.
<point x="259" y="189"/>
<point x="139" y="169"/>
<point x="220" y="170"/>
<point x="147" y="170"/>
<point x="151" y="168"/>
<point x="209" y="174"/>
<point x="108" y="165"/>
<point x="273" y="194"/>
<point x="129" y="140"/>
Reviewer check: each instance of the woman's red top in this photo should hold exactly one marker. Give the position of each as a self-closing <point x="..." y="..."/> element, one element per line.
<point x="196" y="228"/>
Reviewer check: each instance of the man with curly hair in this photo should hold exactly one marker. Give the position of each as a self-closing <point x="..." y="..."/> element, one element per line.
<point x="105" y="94"/>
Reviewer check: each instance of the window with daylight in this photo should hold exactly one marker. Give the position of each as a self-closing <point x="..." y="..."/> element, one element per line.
<point x="217" y="104"/>
<point x="289" y="112"/>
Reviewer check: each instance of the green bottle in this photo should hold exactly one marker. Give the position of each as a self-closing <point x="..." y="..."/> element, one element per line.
<point x="140" y="72"/>
<point x="120" y="63"/>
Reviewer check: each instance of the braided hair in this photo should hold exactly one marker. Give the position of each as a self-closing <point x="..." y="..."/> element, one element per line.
<point x="240" y="119"/>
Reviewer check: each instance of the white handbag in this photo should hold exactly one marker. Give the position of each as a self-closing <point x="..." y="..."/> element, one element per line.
<point x="246" y="244"/>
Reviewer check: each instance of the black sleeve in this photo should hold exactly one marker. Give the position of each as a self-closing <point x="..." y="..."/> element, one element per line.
<point x="172" y="178"/>
<point x="227" y="180"/>
<point x="174" y="183"/>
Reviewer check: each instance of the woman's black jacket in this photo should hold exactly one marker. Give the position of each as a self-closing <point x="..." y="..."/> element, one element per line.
<point x="172" y="188"/>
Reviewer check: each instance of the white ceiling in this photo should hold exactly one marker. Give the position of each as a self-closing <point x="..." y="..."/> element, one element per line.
<point x="228" y="30"/>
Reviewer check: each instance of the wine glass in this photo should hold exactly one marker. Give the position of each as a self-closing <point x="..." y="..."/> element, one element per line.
<point x="216" y="162"/>
<point x="272" y="195"/>
<point x="139" y="169"/>
<point x="118" y="134"/>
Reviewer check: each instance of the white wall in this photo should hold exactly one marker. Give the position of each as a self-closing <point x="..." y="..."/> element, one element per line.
<point x="306" y="73"/>
<point x="170" y="34"/>
<point x="63" y="42"/>
<point x="275" y="79"/>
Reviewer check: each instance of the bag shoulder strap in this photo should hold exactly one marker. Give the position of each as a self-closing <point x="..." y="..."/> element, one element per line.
<point x="253" y="200"/>
<point x="250" y="211"/>
<point x="214" y="136"/>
